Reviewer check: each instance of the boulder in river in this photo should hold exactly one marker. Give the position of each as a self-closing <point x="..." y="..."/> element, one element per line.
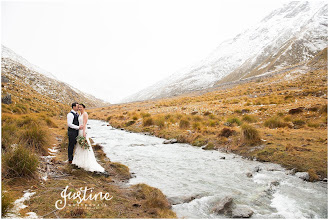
<point x="249" y="175"/>
<point x="303" y="175"/>
<point x="171" y="141"/>
<point x="223" y="206"/>
<point x="242" y="212"/>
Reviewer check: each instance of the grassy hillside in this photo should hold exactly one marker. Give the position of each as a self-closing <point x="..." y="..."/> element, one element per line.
<point x="281" y="119"/>
<point x="33" y="124"/>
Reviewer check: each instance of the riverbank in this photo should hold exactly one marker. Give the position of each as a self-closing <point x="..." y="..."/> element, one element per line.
<point x="282" y="119"/>
<point x="54" y="175"/>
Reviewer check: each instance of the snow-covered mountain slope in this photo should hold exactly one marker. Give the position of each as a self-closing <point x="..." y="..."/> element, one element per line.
<point x="17" y="71"/>
<point x="287" y="36"/>
<point x="8" y="53"/>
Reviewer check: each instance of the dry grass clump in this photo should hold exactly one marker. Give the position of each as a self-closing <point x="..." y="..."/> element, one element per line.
<point x="233" y="121"/>
<point x="19" y="162"/>
<point x="250" y="135"/>
<point x="28" y="130"/>
<point x="184" y="124"/>
<point x="226" y="132"/>
<point x="148" y="121"/>
<point x="160" y="121"/>
<point x="249" y="118"/>
<point x="6" y="203"/>
<point x="35" y="137"/>
<point x="275" y="122"/>
<point x="121" y="169"/>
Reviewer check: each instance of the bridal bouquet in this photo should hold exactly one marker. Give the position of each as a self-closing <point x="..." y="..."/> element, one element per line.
<point x="82" y="141"/>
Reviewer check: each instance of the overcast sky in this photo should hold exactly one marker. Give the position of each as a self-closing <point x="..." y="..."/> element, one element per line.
<point x="114" y="48"/>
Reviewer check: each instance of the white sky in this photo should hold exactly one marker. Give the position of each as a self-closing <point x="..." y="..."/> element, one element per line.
<point x="114" y="48"/>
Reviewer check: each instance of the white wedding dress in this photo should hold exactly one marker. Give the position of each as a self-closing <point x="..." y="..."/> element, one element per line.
<point x="85" y="158"/>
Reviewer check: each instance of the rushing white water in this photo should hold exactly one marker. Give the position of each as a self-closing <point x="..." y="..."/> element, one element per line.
<point x="182" y="171"/>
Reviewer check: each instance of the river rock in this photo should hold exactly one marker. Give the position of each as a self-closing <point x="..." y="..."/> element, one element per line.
<point x="242" y="212"/>
<point x="275" y="183"/>
<point x="6" y="99"/>
<point x="171" y="141"/>
<point x="257" y="169"/>
<point x="291" y="172"/>
<point x="249" y="175"/>
<point x="223" y="206"/>
<point x="303" y="175"/>
<point x="184" y="199"/>
<point x="222" y="158"/>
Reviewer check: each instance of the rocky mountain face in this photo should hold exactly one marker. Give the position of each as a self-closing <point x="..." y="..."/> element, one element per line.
<point x="19" y="78"/>
<point x="288" y="36"/>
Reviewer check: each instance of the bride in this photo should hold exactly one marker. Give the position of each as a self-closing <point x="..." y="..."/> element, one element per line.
<point x="85" y="158"/>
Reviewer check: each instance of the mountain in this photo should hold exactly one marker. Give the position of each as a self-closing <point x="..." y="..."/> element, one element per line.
<point x="29" y="85"/>
<point x="290" y="35"/>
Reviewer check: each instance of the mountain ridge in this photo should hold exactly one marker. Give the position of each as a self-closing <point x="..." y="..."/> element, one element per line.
<point x="289" y="35"/>
<point x="21" y="78"/>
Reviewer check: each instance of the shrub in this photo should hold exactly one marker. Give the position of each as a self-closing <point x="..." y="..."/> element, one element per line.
<point x="275" y="122"/>
<point x="249" y="118"/>
<point x="250" y="135"/>
<point x="234" y="121"/>
<point x="148" y="121"/>
<point x="109" y="118"/>
<point x="20" y="162"/>
<point x="35" y="137"/>
<point x="184" y="124"/>
<point x="207" y="113"/>
<point x="226" y="132"/>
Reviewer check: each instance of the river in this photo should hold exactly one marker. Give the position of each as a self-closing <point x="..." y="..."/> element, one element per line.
<point x="182" y="171"/>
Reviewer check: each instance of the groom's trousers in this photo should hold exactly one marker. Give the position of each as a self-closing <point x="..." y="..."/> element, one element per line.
<point x="72" y="134"/>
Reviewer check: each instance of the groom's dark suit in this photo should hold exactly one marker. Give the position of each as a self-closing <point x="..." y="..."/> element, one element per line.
<point x="72" y="133"/>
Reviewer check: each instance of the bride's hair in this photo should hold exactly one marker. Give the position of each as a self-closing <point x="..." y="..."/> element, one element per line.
<point x="83" y="105"/>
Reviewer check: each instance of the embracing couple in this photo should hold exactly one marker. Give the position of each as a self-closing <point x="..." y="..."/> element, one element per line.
<point x="80" y="156"/>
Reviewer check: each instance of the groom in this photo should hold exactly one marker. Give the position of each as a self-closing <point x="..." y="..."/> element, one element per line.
<point x="73" y="129"/>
